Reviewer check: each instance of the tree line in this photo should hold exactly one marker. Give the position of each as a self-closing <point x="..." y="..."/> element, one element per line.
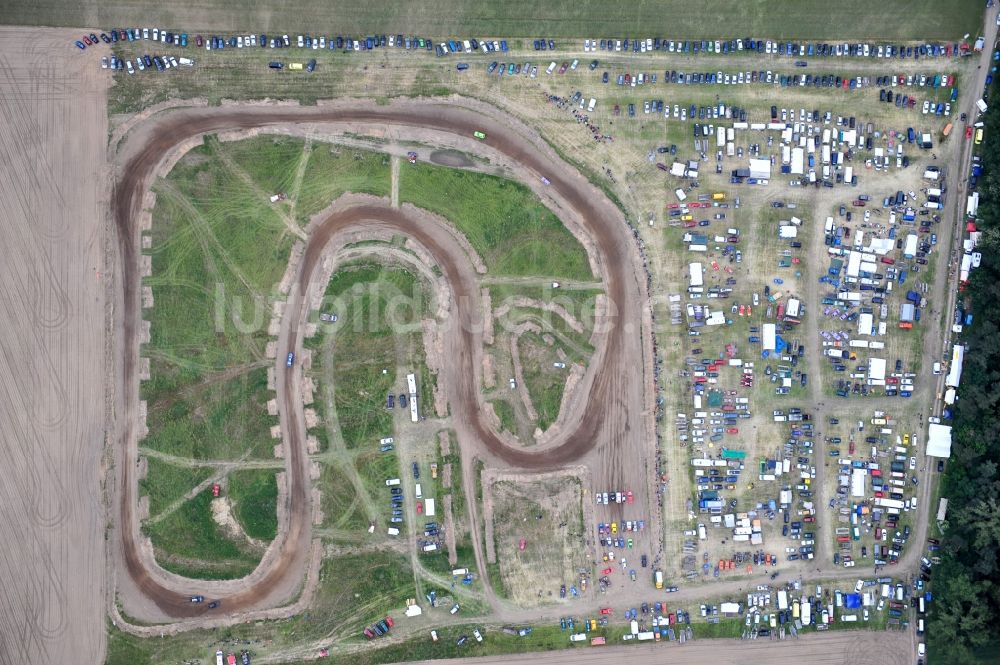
<point x="962" y="624"/>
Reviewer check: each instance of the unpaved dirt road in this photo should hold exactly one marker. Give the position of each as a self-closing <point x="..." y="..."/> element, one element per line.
<point x="610" y="418"/>
<point x="831" y="648"/>
<point x="53" y="132"/>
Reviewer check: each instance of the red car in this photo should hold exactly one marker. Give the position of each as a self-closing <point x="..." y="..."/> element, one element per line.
<point x="86" y="40"/>
<point x="968" y="132"/>
<point x="390" y="622"/>
<point x="216" y="489"/>
<point x="420" y="507"/>
<point x="629" y="498"/>
<point x="607" y="571"/>
<point x="733" y="430"/>
<point x="605" y="610"/>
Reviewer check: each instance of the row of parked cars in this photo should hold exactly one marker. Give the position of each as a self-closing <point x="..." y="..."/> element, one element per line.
<point x="784" y="80"/>
<point x="792" y="49"/>
<point x="160" y="63"/>
<point x="134" y="34"/>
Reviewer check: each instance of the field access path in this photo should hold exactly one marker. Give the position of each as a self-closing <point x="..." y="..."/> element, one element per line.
<point x="610" y="419"/>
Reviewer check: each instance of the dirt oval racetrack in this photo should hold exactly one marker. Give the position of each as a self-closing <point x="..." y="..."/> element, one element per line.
<point x="607" y="415"/>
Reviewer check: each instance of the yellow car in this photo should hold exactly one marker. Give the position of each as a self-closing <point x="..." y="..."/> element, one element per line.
<point x="906" y="439"/>
<point x="687" y="218"/>
<point x="295" y="65"/>
<point x="979" y="136"/>
<point x="614" y="527"/>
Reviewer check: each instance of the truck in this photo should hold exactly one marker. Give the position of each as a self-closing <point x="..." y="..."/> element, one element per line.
<point x="658" y="578"/>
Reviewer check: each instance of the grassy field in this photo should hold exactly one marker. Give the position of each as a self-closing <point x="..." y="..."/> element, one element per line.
<point x="333" y="170"/>
<point x="504" y="221"/>
<point x="224" y="420"/>
<point x="553" y="537"/>
<point x="545" y="383"/>
<point x="342" y="509"/>
<point x="379" y="309"/>
<point x="354" y="591"/>
<point x="165" y="483"/>
<point x="254" y="495"/>
<point x="523" y="18"/>
<point x="505" y="412"/>
<point x="219" y="247"/>
<point x="188" y="542"/>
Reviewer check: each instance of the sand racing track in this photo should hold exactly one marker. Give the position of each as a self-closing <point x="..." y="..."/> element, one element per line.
<point x="607" y="427"/>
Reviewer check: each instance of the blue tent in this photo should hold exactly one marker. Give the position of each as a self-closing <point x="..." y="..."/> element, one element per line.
<point x="852" y="601"/>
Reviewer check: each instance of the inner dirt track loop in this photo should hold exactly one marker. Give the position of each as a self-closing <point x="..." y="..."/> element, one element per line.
<point x="608" y="414"/>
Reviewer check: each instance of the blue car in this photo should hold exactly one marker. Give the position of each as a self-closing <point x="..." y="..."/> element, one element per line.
<point x="80" y="45"/>
<point x="290" y="360"/>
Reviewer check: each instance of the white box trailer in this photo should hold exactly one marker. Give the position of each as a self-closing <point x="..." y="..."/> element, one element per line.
<point x="720" y="137"/>
<point x="429" y="507"/>
<point x="730" y="608"/>
<point x="592" y="105"/>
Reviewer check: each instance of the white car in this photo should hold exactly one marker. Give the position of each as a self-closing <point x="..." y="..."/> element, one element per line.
<point x="921" y="649"/>
<point x="140" y="64"/>
<point x="913" y="463"/>
<point x="434" y="635"/>
<point x="477" y="635"/>
<point x="300" y="41"/>
<point x="927" y="106"/>
<point x="104" y="62"/>
<point x="454" y="609"/>
<point x="128" y="66"/>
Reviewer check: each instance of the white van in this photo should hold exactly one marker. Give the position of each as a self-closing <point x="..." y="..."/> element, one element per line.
<point x="460" y="571"/>
<point x="391" y="482"/>
<point x="419" y="493"/>
<point x="393" y="531"/>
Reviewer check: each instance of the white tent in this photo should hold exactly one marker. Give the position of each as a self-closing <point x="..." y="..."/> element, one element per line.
<point x="695" y="272"/>
<point x="865" y="324"/>
<point x="760" y="168"/>
<point x="769" y="336"/>
<point x="938" y="440"/>
<point x="798" y="162"/>
<point x="858" y="482"/>
<point x="876" y="368"/>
